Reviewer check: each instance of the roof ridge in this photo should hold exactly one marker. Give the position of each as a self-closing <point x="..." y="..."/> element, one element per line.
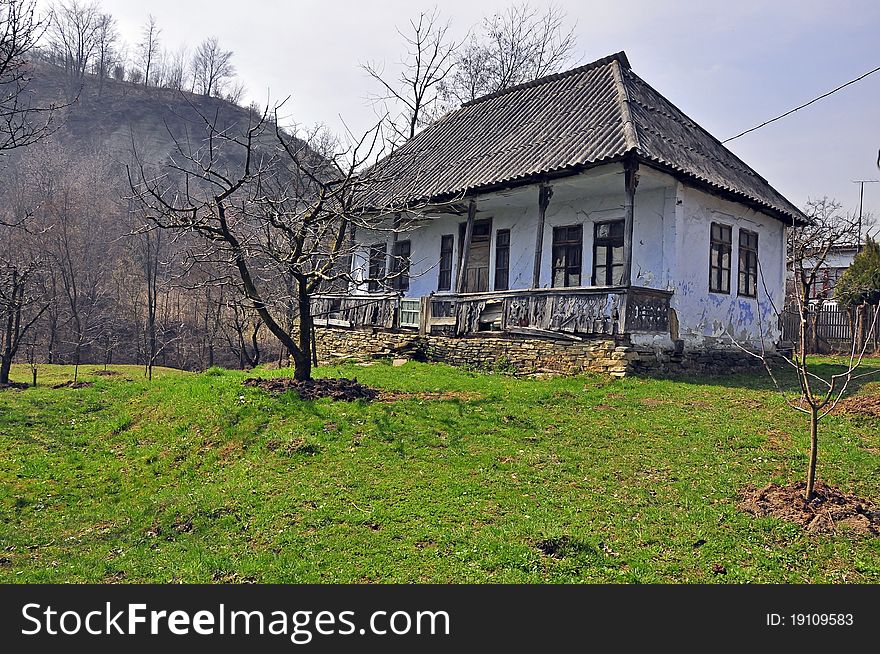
<point x="629" y="127"/>
<point x="619" y="57"/>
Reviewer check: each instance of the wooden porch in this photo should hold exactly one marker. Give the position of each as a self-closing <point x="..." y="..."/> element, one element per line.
<point x="551" y="312"/>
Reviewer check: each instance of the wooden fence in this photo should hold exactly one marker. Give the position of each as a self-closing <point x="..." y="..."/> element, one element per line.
<point x="834" y="327"/>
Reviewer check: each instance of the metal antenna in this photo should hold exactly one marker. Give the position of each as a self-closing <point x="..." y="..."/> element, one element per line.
<point x="861" y="183"/>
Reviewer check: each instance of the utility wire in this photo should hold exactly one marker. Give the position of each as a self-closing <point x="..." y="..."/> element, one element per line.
<point x="825" y="95"/>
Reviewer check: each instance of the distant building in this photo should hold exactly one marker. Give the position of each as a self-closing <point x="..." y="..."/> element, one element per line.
<point x="836" y="263"/>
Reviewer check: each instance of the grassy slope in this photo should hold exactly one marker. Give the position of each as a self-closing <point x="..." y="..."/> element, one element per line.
<point x="195" y="478"/>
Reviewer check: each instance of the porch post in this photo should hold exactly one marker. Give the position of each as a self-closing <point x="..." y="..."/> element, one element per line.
<point x="351" y="285"/>
<point x="545" y="192"/>
<point x="389" y="255"/>
<point x="631" y="180"/>
<point x="466" y="246"/>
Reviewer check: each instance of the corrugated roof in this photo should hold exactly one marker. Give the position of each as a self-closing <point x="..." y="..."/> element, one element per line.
<point x="586" y="116"/>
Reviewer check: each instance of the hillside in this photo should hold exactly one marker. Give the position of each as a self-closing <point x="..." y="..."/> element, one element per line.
<point x="115" y="115"/>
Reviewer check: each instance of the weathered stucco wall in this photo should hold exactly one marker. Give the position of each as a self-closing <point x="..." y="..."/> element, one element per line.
<point x="716" y="319"/>
<point x="671" y="237"/>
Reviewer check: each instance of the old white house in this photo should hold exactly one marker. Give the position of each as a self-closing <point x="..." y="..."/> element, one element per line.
<point x="583" y="205"/>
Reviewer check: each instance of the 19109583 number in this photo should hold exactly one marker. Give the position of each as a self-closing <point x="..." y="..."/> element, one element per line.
<point x="821" y="619"/>
<point x="810" y="620"/>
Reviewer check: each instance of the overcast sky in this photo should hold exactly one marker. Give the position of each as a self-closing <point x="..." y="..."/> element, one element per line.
<point x="728" y="65"/>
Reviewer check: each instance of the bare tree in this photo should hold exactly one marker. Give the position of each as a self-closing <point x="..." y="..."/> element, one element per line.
<point x="105" y="57"/>
<point x="21" y="122"/>
<point x="77" y="215"/>
<point x="515" y="46"/>
<point x="415" y="94"/>
<point x="135" y="75"/>
<point x="211" y="67"/>
<point x="147" y="252"/>
<point x="235" y="92"/>
<point x="74" y="36"/>
<point x="283" y="214"/>
<point x="120" y="65"/>
<point x="21" y="303"/>
<point x="177" y="64"/>
<point x="240" y="325"/>
<point x="816" y="396"/>
<point x="148" y="48"/>
<point x="808" y="249"/>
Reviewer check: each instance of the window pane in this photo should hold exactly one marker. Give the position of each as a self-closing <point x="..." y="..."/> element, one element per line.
<point x="400" y="265"/>
<point x="559" y="278"/>
<point x="607" y="250"/>
<point x="617" y="275"/>
<point x="444" y="282"/>
<point x="567" y="249"/>
<point x="559" y="258"/>
<point x="502" y="259"/>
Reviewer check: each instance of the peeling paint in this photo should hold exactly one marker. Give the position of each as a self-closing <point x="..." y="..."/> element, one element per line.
<point x="670" y="249"/>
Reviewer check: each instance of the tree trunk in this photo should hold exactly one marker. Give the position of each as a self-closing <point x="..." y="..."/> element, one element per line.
<point x="814" y="452"/>
<point x="5" y="366"/>
<point x="302" y="360"/>
<point x="9" y="336"/>
<point x="6" y="359"/>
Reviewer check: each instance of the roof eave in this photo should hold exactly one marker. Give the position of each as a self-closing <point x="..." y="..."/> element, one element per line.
<point x="789" y="219"/>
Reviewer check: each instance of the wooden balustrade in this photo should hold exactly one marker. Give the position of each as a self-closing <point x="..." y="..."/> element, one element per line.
<point x="560" y="312"/>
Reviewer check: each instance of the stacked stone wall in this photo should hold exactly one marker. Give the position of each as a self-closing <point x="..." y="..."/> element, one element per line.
<point x="611" y="355"/>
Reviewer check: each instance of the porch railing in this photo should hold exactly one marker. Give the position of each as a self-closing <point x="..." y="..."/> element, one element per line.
<point x="356" y="310"/>
<point x="563" y="312"/>
<point x="556" y="311"/>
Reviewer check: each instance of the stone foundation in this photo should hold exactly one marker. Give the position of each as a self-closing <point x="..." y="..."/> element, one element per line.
<point x="611" y="355"/>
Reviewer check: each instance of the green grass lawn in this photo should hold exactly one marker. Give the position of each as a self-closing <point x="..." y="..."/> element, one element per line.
<point x="195" y="478"/>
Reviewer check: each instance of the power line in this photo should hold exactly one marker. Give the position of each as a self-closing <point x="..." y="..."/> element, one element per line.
<point x="824" y="95"/>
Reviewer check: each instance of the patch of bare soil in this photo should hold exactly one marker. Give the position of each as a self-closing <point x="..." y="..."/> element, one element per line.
<point x="225" y="577"/>
<point x="74" y="384"/>
<point x="106" y="373"/>
<point x="14" y="386"/>
<point x="394" y="396"/>
<point x="347" y="390"/>
<point x="829" y="510"/>
<point x="865" y="405"/>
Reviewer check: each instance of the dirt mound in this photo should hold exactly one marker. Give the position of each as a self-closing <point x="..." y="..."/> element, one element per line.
<point x="347" y="390"/>
<point x="829" y="510"/>
<point x="74" y="384"/>
<point x="13" y="386"/>
<point x="865" y="405"/>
